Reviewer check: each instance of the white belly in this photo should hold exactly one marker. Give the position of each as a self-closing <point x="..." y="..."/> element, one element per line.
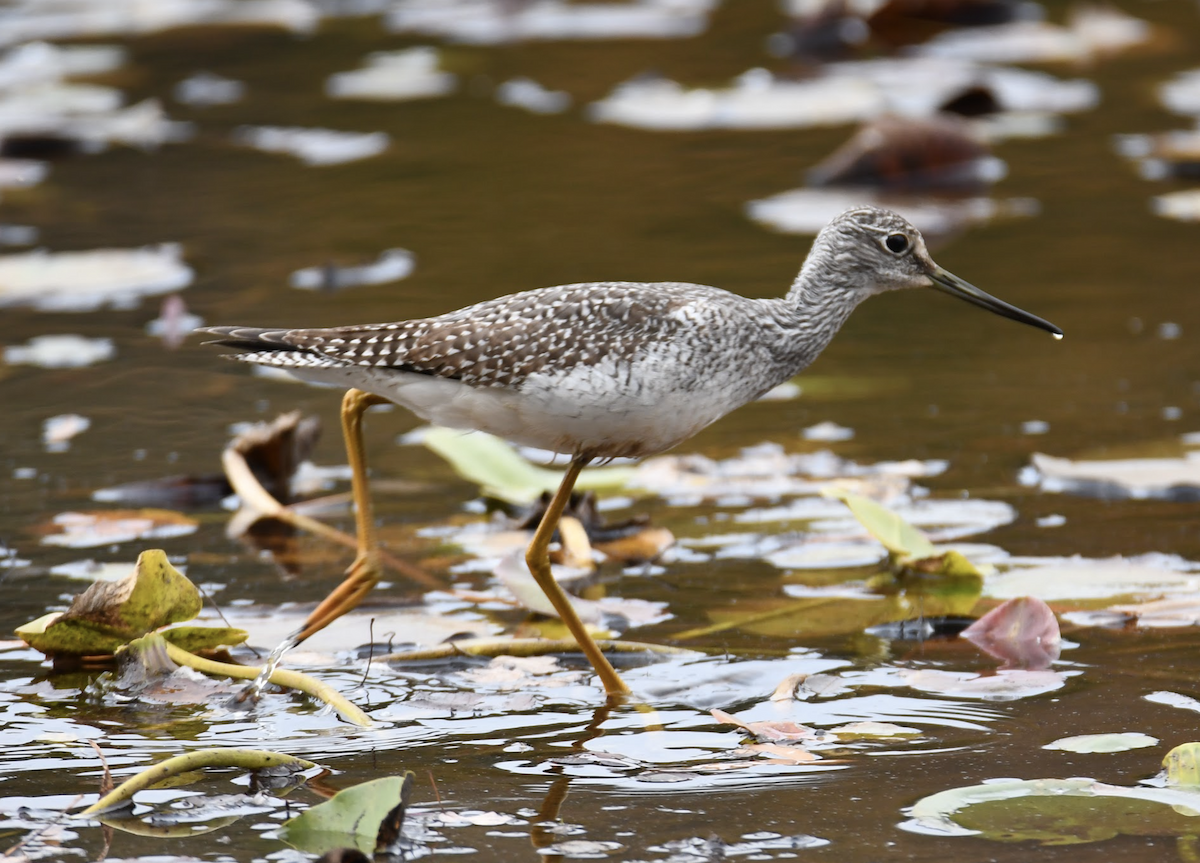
<point x="591" y="410"/>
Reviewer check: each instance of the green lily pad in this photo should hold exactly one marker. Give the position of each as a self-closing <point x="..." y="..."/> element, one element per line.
<point x="354" y="817"/>
<point x="1057" y="811"/>
<point x="502" y="472"/>
<point x="111" y="613"/>
<point x="1182" y="765"/>
<point x="1103" y="742"/>
<point x="196" y="638"/>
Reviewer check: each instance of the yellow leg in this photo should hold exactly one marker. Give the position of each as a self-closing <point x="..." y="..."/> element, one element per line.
<point x="364" y="573"/>
<point x="538" y="558"/>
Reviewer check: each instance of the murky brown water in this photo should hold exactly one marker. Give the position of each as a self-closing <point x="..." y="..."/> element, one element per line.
<point x="494" y="200"/>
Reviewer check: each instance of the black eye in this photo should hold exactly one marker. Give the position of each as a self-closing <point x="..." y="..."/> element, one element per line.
<point x="896" y="243"/>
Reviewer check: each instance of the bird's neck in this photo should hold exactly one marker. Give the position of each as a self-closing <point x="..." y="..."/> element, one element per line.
<point x="819" y="302"/>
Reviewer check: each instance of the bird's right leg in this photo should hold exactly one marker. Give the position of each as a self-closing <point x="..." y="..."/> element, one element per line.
<point x="364" y="572"/>
<point x="538" y="558"/>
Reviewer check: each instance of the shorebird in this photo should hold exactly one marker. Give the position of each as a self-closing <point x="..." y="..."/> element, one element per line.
<point x="597" y="370"/>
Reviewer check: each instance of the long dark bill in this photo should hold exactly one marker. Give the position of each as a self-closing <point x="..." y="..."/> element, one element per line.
<point x="951" y="284"/>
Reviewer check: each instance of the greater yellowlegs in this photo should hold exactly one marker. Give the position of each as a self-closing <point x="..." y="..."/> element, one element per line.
<point x="597" y="370"/>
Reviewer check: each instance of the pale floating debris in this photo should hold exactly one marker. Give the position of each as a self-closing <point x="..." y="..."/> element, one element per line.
<point x="26" y="20"/>
<point x="314" y="146"/>
<point x="1091" y="32"/>
<point x="1183" y="206"/>
<point x="89" y="115"/>
<point x="391" y="266"/>
<point x="1169" y="330"/>
<point x="1139" y="479"/>
<point x="806" y="211"/>
<point x="920" y="86"/>
<point x="1182" y="93"/>
<point x="92" y="529"/>
<point x="844" y="93"/>
<point x="58" y="431"/>
<point x="84" y="281"/>
<point x="532" y="96"/>
<point x="1146" y="577"/>
<point x="579" y="849"/>
<point x="785" y="392"/>
<point x="1004" y="685"/>
<point x="40" y="62"/>
<point x="763" y="472"/>
<point x="1103" y="743"/>
<point x="21" y="174"/>
<point x="757" y="100"/>
<point x="18" y="235"/>
<point x="174" y="322"/>
<point x="1053" y="520"/>
<point x="90" y="570"/>
<point x="204" y="89"/>
<point x="394" y="76"/>
<point x="490" y="22"/>
<point x="827" y="555"/>
<point x="942" y="519"/>
<point x="1035" y="427"/>
<point x="1171" y="413"/>
<point x="60" y="352"/>
<point x="1163" y="156"/>
<point x="1183" y="610"/>
<point x="1173" y="699"/>
<point x="828" y="431"/>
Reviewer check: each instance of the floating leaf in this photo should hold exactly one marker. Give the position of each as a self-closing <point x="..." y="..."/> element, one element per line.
<point x="1103" y="743"/>
<point x="782" y="730"/>
<point x="111" y="613"/>
<point x="898" y="536"/>
<point x="107" y="527"/>
<point x="1056" y="811"/>
<point x="194" y="639"/>
<point x="501" y="472"/>
<point x="1182" y="765"/>
<point x="1022" y="631"/>
<point x="352" y="818"/>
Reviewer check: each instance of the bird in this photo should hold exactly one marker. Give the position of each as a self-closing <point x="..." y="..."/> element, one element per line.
<point x="597" y="370"/>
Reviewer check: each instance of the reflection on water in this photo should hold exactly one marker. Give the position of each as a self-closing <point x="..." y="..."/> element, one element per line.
<point x="477" y="199"/>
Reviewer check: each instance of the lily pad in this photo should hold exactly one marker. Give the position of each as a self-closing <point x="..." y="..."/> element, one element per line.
<point x="1103" y="742"/>
<point x="109" y="614"/>
<point x="354" y="817"/>
<point x="1056" y="811"/>
<point x="502" y="473"/>
<point x="1182" y="765"/>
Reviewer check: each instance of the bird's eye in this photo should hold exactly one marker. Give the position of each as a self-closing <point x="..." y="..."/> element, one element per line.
<point x="896" y="243"/>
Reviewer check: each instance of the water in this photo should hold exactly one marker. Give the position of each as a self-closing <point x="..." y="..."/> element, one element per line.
<point x="492" y="200"/>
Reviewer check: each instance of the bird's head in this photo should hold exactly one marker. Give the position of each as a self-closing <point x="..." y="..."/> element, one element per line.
<point x="875" y="250"/>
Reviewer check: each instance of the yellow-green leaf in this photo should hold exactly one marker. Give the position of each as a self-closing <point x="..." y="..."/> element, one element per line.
<point x="111" y="613"/>
<point x="503" y="473"/>
<point x="897" y="535"/>
<point x="196" y="638"/>
<point x="1183" y="765"/>
<point x="352" y="818"/>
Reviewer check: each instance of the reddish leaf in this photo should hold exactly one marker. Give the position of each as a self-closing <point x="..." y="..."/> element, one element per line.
<point x="1023" y="632"/>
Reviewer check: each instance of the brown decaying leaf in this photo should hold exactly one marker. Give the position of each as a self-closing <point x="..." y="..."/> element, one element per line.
<point x="782" y="730"/>
<point x="786" y="690"/>
<point x="911" y="153"/>
<point x="788" y="754"/>
<point x="1022" y="632"/>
